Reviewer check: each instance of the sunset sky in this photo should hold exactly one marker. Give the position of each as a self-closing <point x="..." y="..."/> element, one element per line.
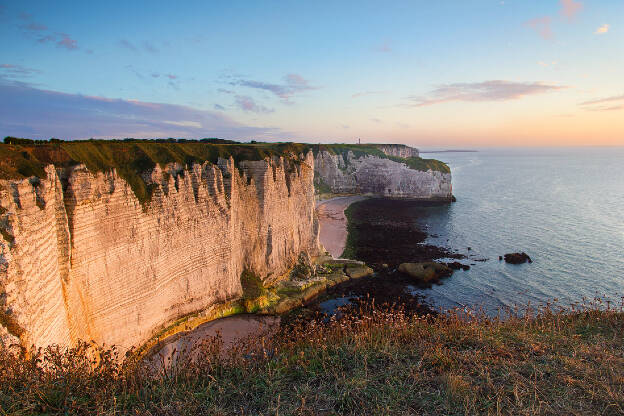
<point x="428" y="73"/>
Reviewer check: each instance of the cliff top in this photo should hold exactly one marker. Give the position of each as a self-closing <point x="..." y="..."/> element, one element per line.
<point x="360" y="150"/>
<point x="22" y="158"/>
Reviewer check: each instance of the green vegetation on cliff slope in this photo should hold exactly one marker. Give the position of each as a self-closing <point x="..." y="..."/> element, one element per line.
<point x="418" y="163"/>
<point x="374" y="362"/>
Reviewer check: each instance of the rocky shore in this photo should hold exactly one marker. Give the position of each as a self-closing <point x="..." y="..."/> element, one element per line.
<point x="384" y="234"/>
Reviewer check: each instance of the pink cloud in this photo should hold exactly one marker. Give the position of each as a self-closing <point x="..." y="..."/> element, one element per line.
<point x="495" y="90"/>
<point x="541" y="25"/>
<point x="66" y="42"/>
<point x="293" y="84"/>
<point x="570" y="8"/>
<point x="248" y="104"/>
<point x="383" y="48"/>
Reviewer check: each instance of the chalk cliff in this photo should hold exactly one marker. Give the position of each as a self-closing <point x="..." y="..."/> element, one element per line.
<point x="397" y="172"/>
<point x="397" y="150"/>
<point x="82" y="258"/>
<point x="112" y="241"/>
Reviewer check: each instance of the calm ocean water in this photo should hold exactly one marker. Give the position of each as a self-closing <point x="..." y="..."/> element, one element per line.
<point x="563" y="207"/>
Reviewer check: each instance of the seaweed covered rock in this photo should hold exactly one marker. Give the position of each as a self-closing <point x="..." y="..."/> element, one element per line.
<point x="517" y="258"/>
<point x="427" y="272"/>
<point x="457" y="266"/>
<point x="357" y="271"/>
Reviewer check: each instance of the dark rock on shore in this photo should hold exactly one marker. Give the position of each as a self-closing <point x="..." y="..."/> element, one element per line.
<point x="457" y="266"/>
<point x="517" y="258"/>
<point x="426" y="272"/>
<point x="383" y="231"/>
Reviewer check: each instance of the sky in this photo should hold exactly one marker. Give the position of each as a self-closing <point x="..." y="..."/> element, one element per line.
<point x="430" y="73"/>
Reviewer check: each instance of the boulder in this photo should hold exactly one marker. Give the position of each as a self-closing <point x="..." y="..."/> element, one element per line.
<point x="427" y="272"/>
<point x="457" y="266"/>
<point x="356" y="271"/>
<point x="517" y="258"/>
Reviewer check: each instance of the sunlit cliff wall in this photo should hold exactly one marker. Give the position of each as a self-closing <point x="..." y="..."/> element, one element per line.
<point x="398" y="150"/>
<point x="82" y="258"/>
<point x="348" y="173"/>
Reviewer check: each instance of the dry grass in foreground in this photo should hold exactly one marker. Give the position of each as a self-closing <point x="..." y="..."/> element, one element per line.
<point x="377" y="362"/>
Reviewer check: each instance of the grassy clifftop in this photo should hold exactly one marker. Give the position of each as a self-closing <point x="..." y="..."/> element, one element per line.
<point x="376" y="362"/>
<point x="22" y="158"/>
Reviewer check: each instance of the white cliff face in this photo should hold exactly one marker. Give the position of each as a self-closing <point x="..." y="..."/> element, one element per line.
<point x="398" y="150"/>
<point x="89" y="262"/>
<point x="382" y="177"/>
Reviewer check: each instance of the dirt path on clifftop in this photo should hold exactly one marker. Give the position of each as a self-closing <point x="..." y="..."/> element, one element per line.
<point x="333" y="223"/>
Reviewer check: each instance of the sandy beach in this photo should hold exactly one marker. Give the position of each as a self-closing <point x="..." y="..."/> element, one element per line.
<point x="231" y="330"/>
<point x="333" y="223"/>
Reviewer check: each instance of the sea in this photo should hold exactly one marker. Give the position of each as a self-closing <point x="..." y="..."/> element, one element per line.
<point x="564" y="207"/>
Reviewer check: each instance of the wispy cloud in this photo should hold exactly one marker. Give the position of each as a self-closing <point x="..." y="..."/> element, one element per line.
<point x="149" y="47"/>
<point x="34" y="27"/>
<point x="547" y="64"/>
<point x="248" y="104"/>
<point x="125" y="43"/>
<point x="61" y="40"/>
<point x="383" y="48"/>
<point x="11" y="71"/>
<point x="145" y="46"/>
<point x="604" y="104"/>
<point x="495" y="90"/>
<point x="139" y="75"/>
<point x="30" y="112"/>
<point x="293" y="84"/>
<point x="219" y="107"/>
<point x="541" y="25"/>
<point x="602" y="29"/>
<point x="365" y="93"/>
<point x="42" y="34"/>
<point x="173" y="80"/>
<point x="65" y="41"/>
<point x="185" y="123"/>
<point x="606" y="108"/>
<point x="570" y="8"/>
